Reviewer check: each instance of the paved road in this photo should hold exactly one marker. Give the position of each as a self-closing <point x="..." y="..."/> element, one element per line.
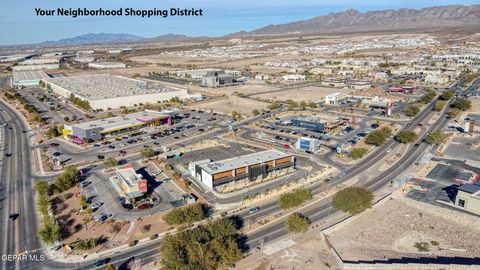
<point x="16" y="190"/>
<point x="149" y="251"/>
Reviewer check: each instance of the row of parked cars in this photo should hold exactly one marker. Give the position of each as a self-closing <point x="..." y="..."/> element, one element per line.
<point x="362" y="134"/>
<point x="299" y="133"/>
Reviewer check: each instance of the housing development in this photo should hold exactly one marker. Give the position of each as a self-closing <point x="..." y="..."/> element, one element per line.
<point x="317" y="144"/>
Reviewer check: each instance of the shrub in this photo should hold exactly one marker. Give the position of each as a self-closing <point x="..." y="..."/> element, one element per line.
<point x="132" y="243"/>
<point x="148" y="153"/>
<point x="422" y="246"/>
<point x="111" y="162"/>
<point x="153" y="236"/>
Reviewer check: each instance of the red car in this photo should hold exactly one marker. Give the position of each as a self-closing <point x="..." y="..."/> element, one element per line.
<point x="144" y="206"/>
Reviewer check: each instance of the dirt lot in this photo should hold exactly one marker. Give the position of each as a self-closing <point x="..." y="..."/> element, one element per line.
<point x="419" y="230"/>
<point x="311" y="254"/>
<point x="231" y="103"/>
<point x="251" y="87"/>
<point x="175" y="59"/>
<point x="309" y="93"/>
<point x="78" y="226"/>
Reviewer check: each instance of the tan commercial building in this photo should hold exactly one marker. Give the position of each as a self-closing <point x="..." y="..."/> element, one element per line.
<point x="252" y="166"/>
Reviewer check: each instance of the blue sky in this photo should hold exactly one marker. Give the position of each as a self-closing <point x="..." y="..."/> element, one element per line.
<point x="20" y="25"/>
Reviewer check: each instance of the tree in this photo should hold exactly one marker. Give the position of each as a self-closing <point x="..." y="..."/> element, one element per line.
<point x="428" y="97"/>
<point x="379" y="136"/>
<point x="447" y="95"/>
<point x="186" y="214"/>
<point x="109" y="267"/>
<point x="294" y="198"/>
<point x="148" y="153"/>
<point x="210" y="246"/>
<point x="49" y="232"/>
<point x="274" y="105"/>
<point x="255" y="112"/>
<point x="236" y="115"/>
<point x="406" y="136"/>
<point x="454" y="112"/>
<point x="53" y="132"/>
<point x="111" y="162"/>
<point x="412" y="111"/>
<point x="439" y="105"/>
<point x="312" y="105"/>
<point x="462" y="104"/>
<point x="296" y="223"/>
<point x="357" y="153"/>
<point x="436" y="137"/>
<point x="67" y="179"/>
<point x="36" y="117"/>
<point x="353" y="200"/>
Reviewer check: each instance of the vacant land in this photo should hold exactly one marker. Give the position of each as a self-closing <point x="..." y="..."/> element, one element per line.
<point x="419" y="230"/>
<point x="230" y="104"/>
<point x="307" y="94"/>
<point x="311" y="254"/>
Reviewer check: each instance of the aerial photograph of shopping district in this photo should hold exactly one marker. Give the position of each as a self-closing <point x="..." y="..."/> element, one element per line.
<point x="258" y="136"/>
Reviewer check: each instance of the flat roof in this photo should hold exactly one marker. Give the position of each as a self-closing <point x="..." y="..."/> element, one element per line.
<point x="129" y="176"/>
<point x="104" y="86"/>
<point x="121" y="120"/>
<point x="28" y="75"/>
<point x="242" y="161"/>
<point x="469" y="188"/>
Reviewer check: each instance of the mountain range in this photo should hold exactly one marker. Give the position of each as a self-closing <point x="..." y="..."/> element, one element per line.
<point x="351" y="20"/>
<point x="426" y="19"/>
<point x="100" y="38"/>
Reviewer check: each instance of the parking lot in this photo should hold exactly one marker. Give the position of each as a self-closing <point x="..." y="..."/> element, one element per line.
<point x="449" y="174"/>
<point x="189" y="125"/>
<point x="50" y="107"/>
<point x="215" y="153"/>
<point x="461" y="148"/>
<point x="102" y="195"/>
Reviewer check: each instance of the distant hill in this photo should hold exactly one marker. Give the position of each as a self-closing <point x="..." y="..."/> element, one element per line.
<point x="351" y="20"/>
<point x="95" y="39"/>
<point x="101" y="38"/>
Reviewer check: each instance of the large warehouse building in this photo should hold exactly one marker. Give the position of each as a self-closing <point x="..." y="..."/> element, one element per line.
<point x="115" y="126"/>
<point x="105" y="91"/>
<point x="27" y="78"/>
<point x="252" y="166"/>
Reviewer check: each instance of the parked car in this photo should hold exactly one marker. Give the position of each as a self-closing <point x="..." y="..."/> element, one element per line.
<point x="84" y="184"/>
<point x="96" y="205"/>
